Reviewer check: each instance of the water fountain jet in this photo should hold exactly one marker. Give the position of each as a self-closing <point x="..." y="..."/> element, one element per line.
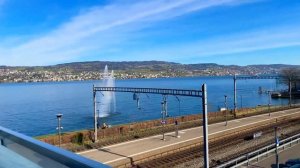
<point x="107" y="99"/>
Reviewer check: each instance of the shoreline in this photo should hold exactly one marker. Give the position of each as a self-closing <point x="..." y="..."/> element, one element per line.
<point x="81" y="140"/>
<point x="121" y="79"/>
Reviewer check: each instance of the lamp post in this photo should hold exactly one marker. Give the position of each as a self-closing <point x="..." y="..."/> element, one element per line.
<point x="59" y="127"/>
<point x="225" y="109"/>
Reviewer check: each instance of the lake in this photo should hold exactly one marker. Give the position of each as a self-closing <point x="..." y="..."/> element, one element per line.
<point x="31" y="108"/>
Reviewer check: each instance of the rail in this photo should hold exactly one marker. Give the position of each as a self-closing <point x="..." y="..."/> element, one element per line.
<point x="245" y="131"/>
<point x="18" y="150"/>
<point x="238" y="133"/>
<point x="246" y="159"/>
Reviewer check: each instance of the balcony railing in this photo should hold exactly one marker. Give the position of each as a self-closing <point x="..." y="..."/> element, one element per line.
<point x="18" y="150"/>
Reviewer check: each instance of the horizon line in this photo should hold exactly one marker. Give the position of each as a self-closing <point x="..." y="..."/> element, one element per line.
<point x="146" y="61"/>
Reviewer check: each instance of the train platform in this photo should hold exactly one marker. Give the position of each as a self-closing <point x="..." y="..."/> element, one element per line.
<point x="131" y="151"/>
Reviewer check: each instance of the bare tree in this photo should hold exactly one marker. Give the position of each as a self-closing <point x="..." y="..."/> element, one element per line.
<point x="291" y="75"/>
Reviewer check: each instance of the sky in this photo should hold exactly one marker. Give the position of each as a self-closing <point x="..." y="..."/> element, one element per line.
<point x="227" y="32"/>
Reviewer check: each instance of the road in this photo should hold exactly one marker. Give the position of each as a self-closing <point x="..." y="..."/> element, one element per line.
<point x="131" y="150"/>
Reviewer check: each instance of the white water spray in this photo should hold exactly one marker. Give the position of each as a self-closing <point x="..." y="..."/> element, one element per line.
<point x="107" y="100"/>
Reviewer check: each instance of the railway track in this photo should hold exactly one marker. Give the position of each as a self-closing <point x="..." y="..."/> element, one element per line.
<point x="179" y="157"/>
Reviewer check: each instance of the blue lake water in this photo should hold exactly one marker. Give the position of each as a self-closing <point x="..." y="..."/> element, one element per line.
<point x="31" y="108"/>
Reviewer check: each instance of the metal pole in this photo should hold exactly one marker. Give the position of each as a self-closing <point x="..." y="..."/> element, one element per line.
<point x="163" y="114"/>
<point x="98" y="120"/>
<point x="276" y="150"/>
<point x="59" y="127"/>
<point x="176" y="127"/>
<point x="241" y="101"/>
<point x="176" y="120"/>
<point x="290" y="92"/>
<point x="166" y="107"/>
<point x="205" y="126"/>
<point x="138" y="103"/>
<point x="247" y="159"/>
<point x="162" y="119"/>
<point x="95" y="116"/>
<point x="59" y="133"/>
<point x="226" y="110"/>
<point x="269" y="104"/>
<point x="234" y="94"/>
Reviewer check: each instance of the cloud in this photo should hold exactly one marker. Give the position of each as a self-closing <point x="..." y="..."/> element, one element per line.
<point x="224" y="45"/>
<point x="96" y="29"/>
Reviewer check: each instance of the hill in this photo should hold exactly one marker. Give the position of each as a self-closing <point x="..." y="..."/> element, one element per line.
<point x="134" y="69"/>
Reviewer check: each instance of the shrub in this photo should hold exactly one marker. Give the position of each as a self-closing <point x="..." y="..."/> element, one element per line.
<point x="78" y="138"/>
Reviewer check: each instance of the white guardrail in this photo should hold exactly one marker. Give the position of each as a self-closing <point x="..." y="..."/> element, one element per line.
<point x="259" y="154"/>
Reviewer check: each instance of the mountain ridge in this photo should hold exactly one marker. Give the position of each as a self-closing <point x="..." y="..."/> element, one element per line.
<point x="92" y="70"/>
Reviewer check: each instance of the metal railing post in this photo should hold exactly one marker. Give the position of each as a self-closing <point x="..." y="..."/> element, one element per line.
<point x="247" y="159"/>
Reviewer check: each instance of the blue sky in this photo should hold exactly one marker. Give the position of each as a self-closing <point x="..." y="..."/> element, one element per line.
<point x="242" y="32"/>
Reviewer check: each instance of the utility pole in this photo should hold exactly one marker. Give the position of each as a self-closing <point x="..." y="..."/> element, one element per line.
<point x="95" y="116"/>
<point x="234" y="94"/>
<point x="226" y="109"/>
<point x="59" y="127"/>
<point x="205" y="126"/>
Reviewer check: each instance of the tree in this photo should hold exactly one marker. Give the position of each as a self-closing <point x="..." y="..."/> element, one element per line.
<point x="291" y="75"/>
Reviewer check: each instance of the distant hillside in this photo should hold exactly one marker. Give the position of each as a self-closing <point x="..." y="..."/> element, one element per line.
<point x="152" y="65"/>
<point x="132" y="69"/>
<point x="162" y="66"/>
<point x="99" y="65"/>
